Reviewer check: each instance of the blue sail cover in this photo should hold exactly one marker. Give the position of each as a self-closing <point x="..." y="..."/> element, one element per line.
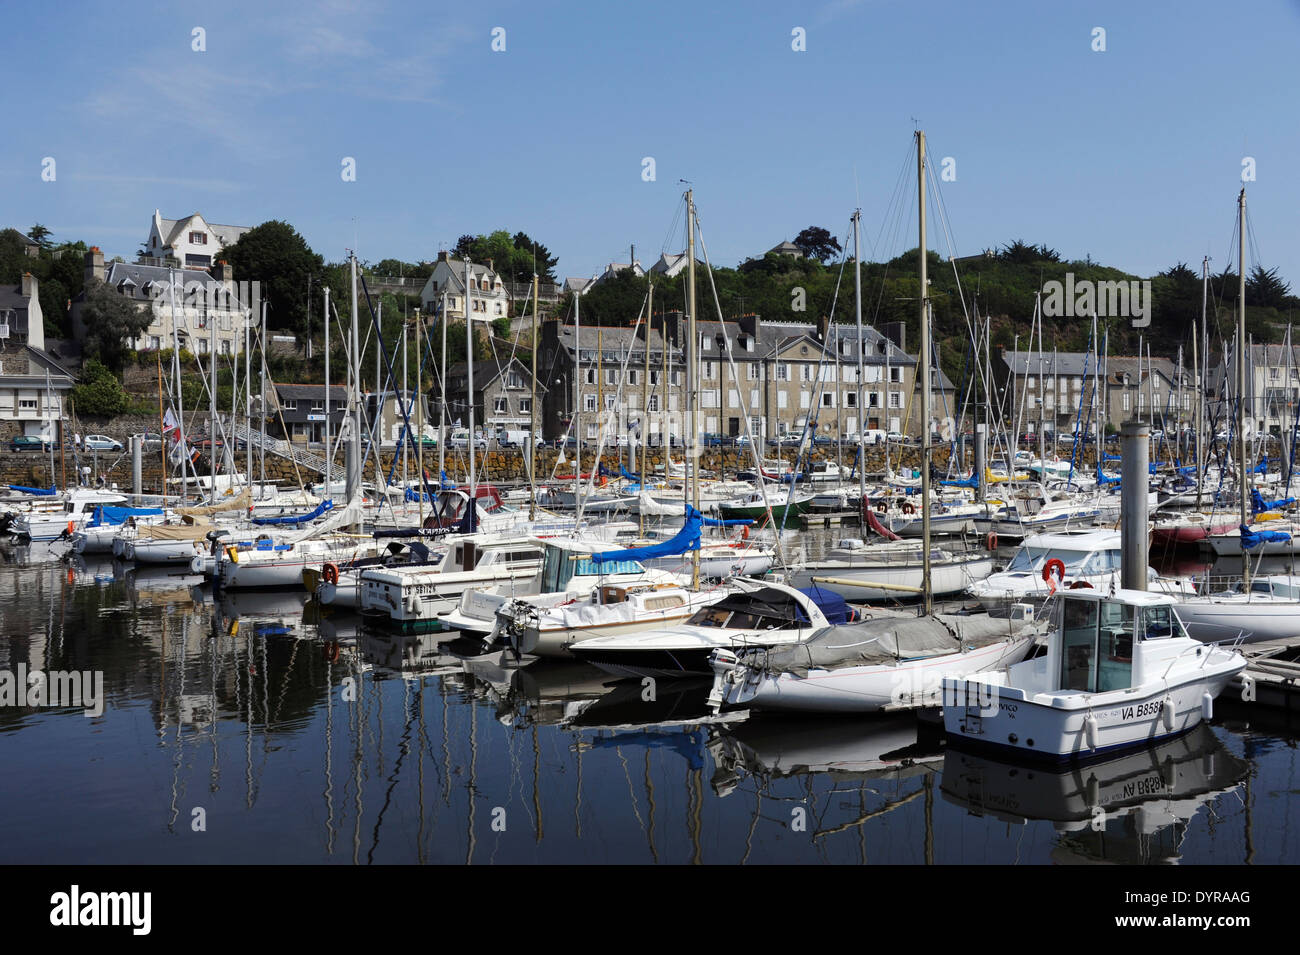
<point x="1252" y="539"/>
<point x="833" y="605"/>
<point x="447" y="483"/>
<point x="1103" y="478"/>
<point x="686" y="539"/>
<point x="1258" y="503"/>
<point x="971" y="481"/>
<point x="33" y="490"/>
<point x="1107" y="456"/>
<point x="1261" y="468"/>
<point x="320" y="509"/>
<point x="628" y="474"/>
<point x="106" y="516"/>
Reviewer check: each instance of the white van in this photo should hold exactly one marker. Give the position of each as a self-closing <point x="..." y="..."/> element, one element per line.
<point x="516" y="439"/>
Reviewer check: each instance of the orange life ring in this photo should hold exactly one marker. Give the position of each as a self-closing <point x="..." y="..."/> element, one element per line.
<point x="744" y="533"/>
<point x="991" y="542"/>
<point x="909" y="507"/>
<point x="1047" y="569"/>
<point x="1080" y="585"/>
<point x="882" y="507"/>
<point x="330" y="573"/>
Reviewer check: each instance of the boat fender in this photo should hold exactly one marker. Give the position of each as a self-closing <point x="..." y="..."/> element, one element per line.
<point x="882" y="507"/>
<point x="1047" y="569"/>
<point x="72" y="528"/>
<point x="233" y="554"/>
<point x="1094" y="792"/>
<point x="1207" y="707"/>
<point x="909" y="507"/>
<point x="1167" y="713"/>
<point x="1090" y="731"/>
<point x="991" y="542"/>
<point x="330" y="573"/>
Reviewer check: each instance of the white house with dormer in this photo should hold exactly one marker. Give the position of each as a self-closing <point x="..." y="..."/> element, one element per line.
<point x="193" y="242"/>
<point x="488" y="296"/>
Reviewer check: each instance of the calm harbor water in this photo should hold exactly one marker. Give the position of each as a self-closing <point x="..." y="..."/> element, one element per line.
<point x="239" y="719"/>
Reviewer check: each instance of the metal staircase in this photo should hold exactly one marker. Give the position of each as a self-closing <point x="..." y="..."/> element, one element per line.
<point x="284" y="449"/>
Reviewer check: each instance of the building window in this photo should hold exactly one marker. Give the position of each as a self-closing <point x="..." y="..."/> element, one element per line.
<point x="225" y="346"/>
<point x="710" y="370"/>
<point x="782" y="372"/>
<point x="588" y="402"/>
<point x="500" y="406"/>
<point x="872" y="374"/>
<point x="514" y="380"/>
<point x="782" y="400"/>
<point x="654" y="403"/>
<point x="873" y="399"/>
<point x="654" y="377"/>
<point x="155" y="342"/>
<point x="851" y="399"/>
<point x="198" y="238"/>
<point x="895" y="375"/>
<point x="609" y="402"/>
<point x="290" y="405"/>
<point x="611" y="376"/>
<point x="895" y="399"/>
<point x="591" y="376"/>
<point x="828" y="399"/>
<point x="591" y="431"/>
<point x="1124" y="401"/>
<point x="752" y="372"/>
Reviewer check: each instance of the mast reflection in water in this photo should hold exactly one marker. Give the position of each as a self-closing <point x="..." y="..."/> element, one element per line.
<point x="256" y="729"/>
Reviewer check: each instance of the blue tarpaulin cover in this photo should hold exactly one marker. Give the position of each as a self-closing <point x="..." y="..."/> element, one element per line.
<point x="320" y="509"/>
<point x="1103" y="478"/>
<point x="1251" y="539"/>
<point x="104" y="516"/>
<point x="971" y="481"/>
<point x="32" y="490"/>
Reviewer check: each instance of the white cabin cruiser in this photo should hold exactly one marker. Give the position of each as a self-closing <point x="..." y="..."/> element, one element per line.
<point x="1119" y="671"/>
<point x="1075" y="559"/>
<point x="48" y="519"/>
<point x="1269" y="610"/>
<point x="567" y="575"/>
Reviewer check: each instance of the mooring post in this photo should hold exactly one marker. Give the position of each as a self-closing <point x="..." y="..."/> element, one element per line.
<point x="1135" y="446"/>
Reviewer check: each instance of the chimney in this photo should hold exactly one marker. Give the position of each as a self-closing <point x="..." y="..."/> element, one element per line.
<point x="30" y="285"/>
<point x="35" y="317"/>
<point x="823" y="326"/>
<point x="444" y="256"/>
<point x="896" y="332"/>
<point x="222" y="272"/>
<point x="94" y="264"/>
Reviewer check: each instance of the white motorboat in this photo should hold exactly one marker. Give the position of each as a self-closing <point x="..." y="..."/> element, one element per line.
<point x="567" y="575"/>
<point x="1119" y="671"/>
<point x="754" y="615"/>
<point x="611" y="610"/>
<point x="886" y="663"/>
<point x="1075" y="559"/>
<point x="414" y="597"/>
<point x="53" y="518"/>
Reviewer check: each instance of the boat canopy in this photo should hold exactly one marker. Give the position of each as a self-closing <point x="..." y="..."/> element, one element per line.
<point x="112" y="516"/>
<point x="1252" y="539"/>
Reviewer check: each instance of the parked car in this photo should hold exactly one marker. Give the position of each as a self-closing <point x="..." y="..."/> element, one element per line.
<point x="102" y="442"/>
<point x="783" y="440"/>
<point x="460" y="439"/>
<point x="28" y="442"/>
<point x="717" y="441"/>
<point x="893" y="436"/>
<point x="152" y="441"/>
<point x="514" y="439"/>
<point x="871" y="436"/>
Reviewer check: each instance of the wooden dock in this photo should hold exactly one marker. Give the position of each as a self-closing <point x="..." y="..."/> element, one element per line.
<point x="1271" y="677"/>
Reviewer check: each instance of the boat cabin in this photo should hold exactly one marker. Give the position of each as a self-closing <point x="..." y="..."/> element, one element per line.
<point x="1104" y="642"/>
<point x="770" y="608"/>
<point x="1084" y="553"/>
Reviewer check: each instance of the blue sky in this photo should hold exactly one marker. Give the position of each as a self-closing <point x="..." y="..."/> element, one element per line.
<point x="1132" y="155"/>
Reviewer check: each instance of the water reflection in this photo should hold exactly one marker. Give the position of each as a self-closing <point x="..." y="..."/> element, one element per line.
<point x="1134" y="807"/>
<point x="305" y="736"/>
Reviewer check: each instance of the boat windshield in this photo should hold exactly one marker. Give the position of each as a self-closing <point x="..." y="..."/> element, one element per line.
<point x="1032" y="558"/>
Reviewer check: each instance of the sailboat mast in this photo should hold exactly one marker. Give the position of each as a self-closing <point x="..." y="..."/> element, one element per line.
<point x="354" y="400"/>
<point x="862" y="411"/>
<point x="532" y="419"/>
<point x="1196" y="375"/>
<point x="1243" y="480"/>
<point x="329" y="455"/>
<point x="926" y="595"/>
<point x="645" y="402"/>
<point x="692" y="370"/>
<point x="469" y="382"/>
<point x="442" y="416"/>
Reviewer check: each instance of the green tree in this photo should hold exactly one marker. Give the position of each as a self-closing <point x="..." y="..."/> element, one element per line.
<point x="817" y="243"/>
<point x="1265" y="289"/>
<point x="112" y="323"/>
<point x="40" y="235"/>
<point x="275" y="255"/>
<point x="99" y="392"/>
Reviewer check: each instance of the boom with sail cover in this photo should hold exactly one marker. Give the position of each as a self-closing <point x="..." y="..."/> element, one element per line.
<point x="686" y="539"/>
